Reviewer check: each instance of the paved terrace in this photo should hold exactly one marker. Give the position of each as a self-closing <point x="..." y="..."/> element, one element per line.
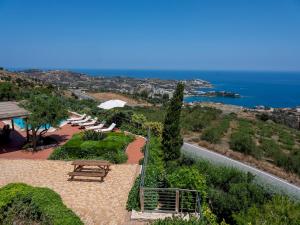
<point x="94" y="202"/>
<point x="13" y="150"/>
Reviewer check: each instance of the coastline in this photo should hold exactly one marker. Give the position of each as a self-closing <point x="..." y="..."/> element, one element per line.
<point x="258" y="88"/>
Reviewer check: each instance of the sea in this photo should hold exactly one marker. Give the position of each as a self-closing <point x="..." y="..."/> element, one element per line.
<point x="270" y="89"/>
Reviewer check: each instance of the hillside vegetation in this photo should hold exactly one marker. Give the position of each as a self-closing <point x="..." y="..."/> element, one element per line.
<point x="265" y="141"/>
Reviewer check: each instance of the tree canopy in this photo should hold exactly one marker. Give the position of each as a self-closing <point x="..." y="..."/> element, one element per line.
<point x="45" y="110"/>
<point x="6" y="91"/>
<point x="171" y="137"/>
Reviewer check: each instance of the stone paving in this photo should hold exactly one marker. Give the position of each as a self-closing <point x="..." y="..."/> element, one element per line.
<point x="95" y="203"/>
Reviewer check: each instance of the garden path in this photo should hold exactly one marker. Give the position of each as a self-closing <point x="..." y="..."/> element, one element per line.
<point x="134" y="150"/>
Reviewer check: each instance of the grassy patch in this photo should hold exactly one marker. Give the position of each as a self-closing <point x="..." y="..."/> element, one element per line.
<point x="197" y="118"/>
<point x="287" y="139"/>
<point x="111" y="147"/>
<point x="214" y="133"/>
<point x="269" y="147"/>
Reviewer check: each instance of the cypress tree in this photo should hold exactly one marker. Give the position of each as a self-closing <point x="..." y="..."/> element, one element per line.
<point x="171" y="136"/>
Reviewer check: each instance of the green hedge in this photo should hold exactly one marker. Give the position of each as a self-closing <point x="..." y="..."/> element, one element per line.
<point x="45" y="206"/>
<point x="154" y="176"/>
<point x="111" y="148"/>
<point x="133" y="201"/>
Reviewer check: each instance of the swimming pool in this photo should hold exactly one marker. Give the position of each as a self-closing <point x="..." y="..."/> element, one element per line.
<point x="20" y="122"/>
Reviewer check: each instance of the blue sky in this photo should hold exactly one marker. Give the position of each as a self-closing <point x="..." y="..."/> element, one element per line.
<point x="153" y="34"/>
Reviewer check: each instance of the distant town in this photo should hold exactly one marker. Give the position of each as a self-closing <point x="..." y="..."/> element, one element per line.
<point x="120" y="84"/>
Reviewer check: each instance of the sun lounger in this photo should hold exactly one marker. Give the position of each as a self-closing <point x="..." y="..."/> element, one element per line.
<point x="101" y="125"/>
<point x="91" y="123"/>
<point x="110" y="128"/>
<point x="76" y="118"/>
<point x="81" y="121"/>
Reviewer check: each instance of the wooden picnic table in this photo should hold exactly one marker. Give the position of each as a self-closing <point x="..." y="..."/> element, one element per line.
<point x="90" y="168"/>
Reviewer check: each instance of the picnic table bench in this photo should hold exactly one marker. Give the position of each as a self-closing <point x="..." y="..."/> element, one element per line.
<point x="90" y="168"/>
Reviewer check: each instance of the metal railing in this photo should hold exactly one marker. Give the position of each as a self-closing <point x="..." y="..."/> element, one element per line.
<point x="169" y="200"/>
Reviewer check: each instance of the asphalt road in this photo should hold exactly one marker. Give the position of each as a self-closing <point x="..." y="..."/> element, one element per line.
<point x="269" y="181"/>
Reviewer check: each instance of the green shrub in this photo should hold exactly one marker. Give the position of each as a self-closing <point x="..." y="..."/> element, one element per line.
<point x="115" y="157"/>
<point x="58" y="153"/>
<point x="290" y="162"/>
<point x="179" y="221"/>
<point x="213" y="134"/>
<point x="295" y="161"/>
<point x="242" y="139"/>
<point x="229" y="190"/>
<point x="269" y="147"/>
<point x="188" y="178"/>
<point x="91" y="135"/>
<point x="282" y="160"/>
<point x="298" y="136"/>
<point x="265" y="129"/>
<point x="196" y="118"/>
<point x="155" y="169"/>
<point x="120" y="138"/>
<point x="156" y="128"/>
<point x="70" y="150"/>
<point x="207" y="218"/>
<point x="33" y="204"/>
<point x="133" y="201"/>
<point x="242" y="142"/>
<point x="138" y="120"/>
<point x="96" y="148"/>
<point x="74" y="143"/>
<point x="279" y="211"/>
<point x="119" y="117"/>
<point x="286" y="138"/>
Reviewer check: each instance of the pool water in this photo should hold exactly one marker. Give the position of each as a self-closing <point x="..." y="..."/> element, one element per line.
<point x="20" y="122"/>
